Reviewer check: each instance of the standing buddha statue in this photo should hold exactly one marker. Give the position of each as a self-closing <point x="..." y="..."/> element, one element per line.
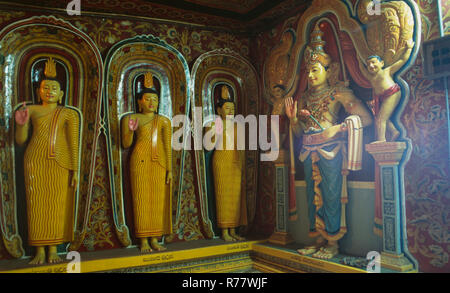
<point x="50" y="166"/>
<point x="228" y="171"/>
<point x="150" y="168"/>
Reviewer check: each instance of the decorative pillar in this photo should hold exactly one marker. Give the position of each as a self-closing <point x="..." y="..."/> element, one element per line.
<point x="281" y="165"/>
<point x="387" y="156"/>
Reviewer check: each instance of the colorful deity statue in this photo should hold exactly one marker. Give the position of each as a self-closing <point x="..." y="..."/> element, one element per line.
<point x="324" y="152"/>
<point x="50" y="166"/>
<point x="150" y="168"/>
<point x="227" y="163"/>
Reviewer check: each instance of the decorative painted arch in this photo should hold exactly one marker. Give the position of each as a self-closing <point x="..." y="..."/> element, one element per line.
<point x="23" y="45"/>
<point x="125" y="62"/>
<point x="211" y="69"/>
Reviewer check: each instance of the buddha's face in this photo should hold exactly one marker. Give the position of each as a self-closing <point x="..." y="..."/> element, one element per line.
<point x="374" y="65"/>
<point x="278" y="93"/>
<point x="226" y="110"/>
<point x="317" y="75"/>
<point x="149" y="103"/>
<point x="50" y="91"/>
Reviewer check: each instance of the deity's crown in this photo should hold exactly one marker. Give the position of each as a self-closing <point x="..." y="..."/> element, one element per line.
<point x="148" y="80"/>
<point x="225" y="93"/>
<point x="50" y="68"/>
<point x="314" y="52"/>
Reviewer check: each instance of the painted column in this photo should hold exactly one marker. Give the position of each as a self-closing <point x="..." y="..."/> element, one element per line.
<point x="281" y="165"/>
<point x="387" y="186"/>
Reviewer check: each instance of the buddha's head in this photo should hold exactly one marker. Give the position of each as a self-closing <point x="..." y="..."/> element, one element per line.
<point x="148" y="102"/>
<point x="49" y="90"/>
<point x="225" y="106"/>
<point x="278" y="91"/>
<point x="148" y="98"/>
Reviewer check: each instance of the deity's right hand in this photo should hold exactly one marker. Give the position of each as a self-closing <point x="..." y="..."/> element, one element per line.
<point x="133" y="124"/>
<point x="291" y="108"/>
<point x="22" y="115"/>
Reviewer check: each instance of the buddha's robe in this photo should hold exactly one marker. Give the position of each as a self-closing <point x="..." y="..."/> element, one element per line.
<point x="228" y="175"/>
<point x="50" y="156"/>
<point x="150" y="160"/>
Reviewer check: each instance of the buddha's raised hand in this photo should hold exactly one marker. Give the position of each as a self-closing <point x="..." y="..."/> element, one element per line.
<point x="133" y="124"/>
<point x="22" y="115"/>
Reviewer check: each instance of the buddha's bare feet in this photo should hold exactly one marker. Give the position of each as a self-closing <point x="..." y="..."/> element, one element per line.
<point x="53" y="255"/>
<point x="156" y="246"/>
<point x="226" y="236"/>
<point x="39" y="258"/>
<point x="145" y="247"/>
<point x="235" y="236"/>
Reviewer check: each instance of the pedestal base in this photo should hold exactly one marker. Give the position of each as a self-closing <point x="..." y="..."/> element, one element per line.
<point x="281" y="238"/>
<point x="396" y="262"/>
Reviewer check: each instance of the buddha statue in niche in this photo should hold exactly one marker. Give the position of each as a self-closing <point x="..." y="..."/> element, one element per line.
<point x="50" y="166"/>
<point x="150" y="168"/>
<point x="228" y="171"/>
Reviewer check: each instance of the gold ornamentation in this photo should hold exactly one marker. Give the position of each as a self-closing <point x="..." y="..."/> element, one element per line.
<point x="148" y="81"/>
<point x="225" y="93"/>
<point x="314" y="51"/>
<point x="50" y="68"/>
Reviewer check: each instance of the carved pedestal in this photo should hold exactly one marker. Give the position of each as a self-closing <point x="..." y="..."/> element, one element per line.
<point x="281" y="165"/>
<point x="387" y="187"/>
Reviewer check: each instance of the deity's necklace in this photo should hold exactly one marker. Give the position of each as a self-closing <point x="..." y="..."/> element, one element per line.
<point x="317" y="102"/>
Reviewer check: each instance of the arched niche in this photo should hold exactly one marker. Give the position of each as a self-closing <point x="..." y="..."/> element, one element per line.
<point x="211" y="71"/>
<point x="25" y="45"/>
<point x="125" y="62"/>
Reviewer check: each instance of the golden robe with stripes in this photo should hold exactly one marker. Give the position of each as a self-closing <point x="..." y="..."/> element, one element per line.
<point x="227" y="164"/>
<point x="50" y="156"/>
<point x="150" y="160"/>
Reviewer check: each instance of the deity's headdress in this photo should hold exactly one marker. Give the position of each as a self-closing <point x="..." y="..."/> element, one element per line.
<point x="314" y="52"/>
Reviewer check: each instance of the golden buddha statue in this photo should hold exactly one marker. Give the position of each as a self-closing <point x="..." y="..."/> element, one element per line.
<point x="228" y="171"/>
<point x="50" y="166"/>
<point x="150" y="168"/>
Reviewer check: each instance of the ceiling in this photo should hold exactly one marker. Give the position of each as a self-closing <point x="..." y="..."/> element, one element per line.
<point x="241" y="15"/>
